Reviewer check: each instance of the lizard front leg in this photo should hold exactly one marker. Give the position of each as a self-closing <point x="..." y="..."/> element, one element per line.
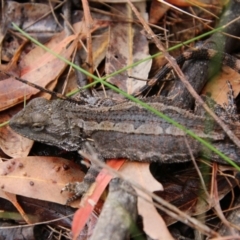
<point x="80" y="188"/>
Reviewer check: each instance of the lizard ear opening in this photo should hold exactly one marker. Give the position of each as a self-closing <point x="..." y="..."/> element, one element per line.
<point x="37" y="127"/>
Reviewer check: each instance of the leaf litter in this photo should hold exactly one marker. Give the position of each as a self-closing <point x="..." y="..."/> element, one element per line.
<point x="128" y="47"/>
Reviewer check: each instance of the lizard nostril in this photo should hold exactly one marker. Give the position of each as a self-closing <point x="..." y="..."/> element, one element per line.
<point x="17" y="121"/>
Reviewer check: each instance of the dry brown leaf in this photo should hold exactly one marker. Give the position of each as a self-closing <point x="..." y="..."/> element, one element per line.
<point x="99" y="48"/>
<point x="14" y="145"/>
<point x="39" y="177"/>
<point x="41" y="67"/>
<point x="30" y="17"/>
<point x="12" y="198"/>
<point x="127" y="45"/>
<point x="157" y="11"/>
<point x="39" y="52"/>
<point x="153" y="224"/>
<point x="218" y="86"/>
<point x="11" y="143"/>
<point x="32" y="12"/>
<point x="42" y="70"/>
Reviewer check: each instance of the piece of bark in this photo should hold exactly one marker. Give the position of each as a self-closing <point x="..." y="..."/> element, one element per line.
<point x="119" y="212"/>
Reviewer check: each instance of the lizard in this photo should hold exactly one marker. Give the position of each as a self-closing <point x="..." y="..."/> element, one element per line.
<point x="125" y="130"/>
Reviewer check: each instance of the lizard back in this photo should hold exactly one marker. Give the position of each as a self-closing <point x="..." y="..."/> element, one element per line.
<point x="124" y="130"/>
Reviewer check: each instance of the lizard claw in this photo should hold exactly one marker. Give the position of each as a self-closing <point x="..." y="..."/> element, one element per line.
<point x="77" y="188"/>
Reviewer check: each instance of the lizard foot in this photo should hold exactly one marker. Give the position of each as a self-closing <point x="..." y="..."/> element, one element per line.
<point x="78" y="188"/>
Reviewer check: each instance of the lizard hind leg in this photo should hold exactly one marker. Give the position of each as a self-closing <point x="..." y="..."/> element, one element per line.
<point x="230" y="107"/>
<point x="227" y="112"/>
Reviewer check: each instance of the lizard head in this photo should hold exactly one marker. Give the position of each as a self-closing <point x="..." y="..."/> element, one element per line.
<point x="48" y="122"/>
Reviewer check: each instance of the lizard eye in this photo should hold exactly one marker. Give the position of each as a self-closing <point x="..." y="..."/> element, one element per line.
<point x="37" y="127"/>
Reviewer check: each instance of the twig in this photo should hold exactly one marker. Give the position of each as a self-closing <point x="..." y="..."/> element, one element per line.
<point x="89" y="25"/>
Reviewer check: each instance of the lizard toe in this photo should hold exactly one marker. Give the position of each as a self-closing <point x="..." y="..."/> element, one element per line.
<point x="77" y="188"/>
